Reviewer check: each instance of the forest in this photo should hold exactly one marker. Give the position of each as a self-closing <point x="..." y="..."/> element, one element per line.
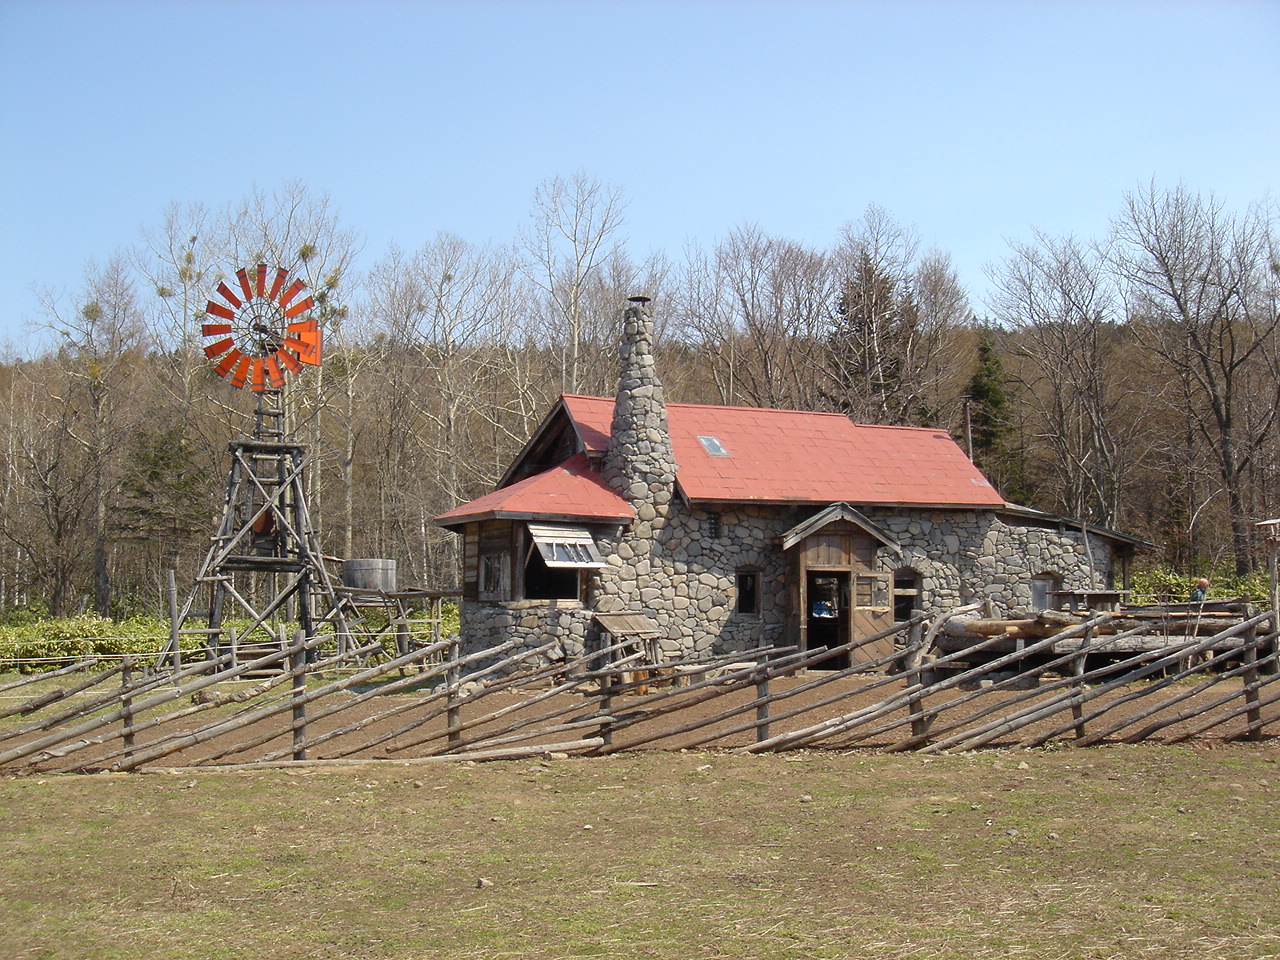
<point x="1129" y="380"/>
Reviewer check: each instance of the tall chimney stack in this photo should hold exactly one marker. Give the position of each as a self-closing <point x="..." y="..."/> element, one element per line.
<point x="640" y="465"/>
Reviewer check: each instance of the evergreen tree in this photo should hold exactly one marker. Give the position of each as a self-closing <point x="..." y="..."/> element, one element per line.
<point x="995" y="447"/>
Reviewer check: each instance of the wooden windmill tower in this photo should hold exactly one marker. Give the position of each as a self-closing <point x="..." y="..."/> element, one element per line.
<point x="264" y="563"/>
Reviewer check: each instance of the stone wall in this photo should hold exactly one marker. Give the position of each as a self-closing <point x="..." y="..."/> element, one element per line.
<point x="686" y="580"/>
<point x="963" y="556"/>
<point x="668" y="566"/>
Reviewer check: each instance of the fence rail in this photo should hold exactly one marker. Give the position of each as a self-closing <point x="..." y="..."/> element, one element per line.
<point x="1085" y="684"/>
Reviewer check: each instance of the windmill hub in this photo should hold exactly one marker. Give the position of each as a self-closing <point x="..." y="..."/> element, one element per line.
<point x="260" y="329"/>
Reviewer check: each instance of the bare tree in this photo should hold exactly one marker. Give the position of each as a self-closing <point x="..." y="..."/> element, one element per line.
<point x="572" y="250"/>
<point x="1078" y="366"/>
<point x="892" y="356"/>
<point x="1201" y="286"/>
<point x="102" y="344"/>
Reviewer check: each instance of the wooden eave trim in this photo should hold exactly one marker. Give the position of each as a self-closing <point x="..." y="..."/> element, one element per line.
<point x="536" y="518"/>
<point x="536" y="438"/>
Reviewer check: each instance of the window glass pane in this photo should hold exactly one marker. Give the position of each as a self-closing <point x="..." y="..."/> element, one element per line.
<point x="748" y="592"/>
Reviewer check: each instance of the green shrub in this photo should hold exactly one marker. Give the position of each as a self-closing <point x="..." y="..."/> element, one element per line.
<point x="1159" y="584"/>
<point x="44" y="644"/>
<point x="30" y="642"/>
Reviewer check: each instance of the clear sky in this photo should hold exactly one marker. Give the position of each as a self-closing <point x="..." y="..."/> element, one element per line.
<point x="974" y="122"/>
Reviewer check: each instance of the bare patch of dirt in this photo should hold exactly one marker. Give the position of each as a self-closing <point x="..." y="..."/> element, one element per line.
<point x="1148" y="851"/>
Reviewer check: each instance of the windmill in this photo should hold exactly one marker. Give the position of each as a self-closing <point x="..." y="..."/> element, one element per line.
<point x="264" y="563"/>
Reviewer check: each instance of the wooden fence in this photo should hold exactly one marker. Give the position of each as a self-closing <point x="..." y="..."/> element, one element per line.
<point x="1086" y="684"/>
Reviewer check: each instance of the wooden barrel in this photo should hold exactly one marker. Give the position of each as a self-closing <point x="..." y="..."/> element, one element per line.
<point x="369" y="575"/>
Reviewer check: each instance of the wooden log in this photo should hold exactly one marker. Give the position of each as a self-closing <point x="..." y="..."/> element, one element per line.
<point x="920" y="723"/>
<point x="454" y="714"/>
<point x="126" y="705"/>
<point x="168" y="745"/>
<point x="94" y="705"/>
<point x="744" y="678"/>
<point x="747" y="678"/>
<point x="839" y="726"/>
<point x="114" y="716"/>
<point x="1069" y="685"/>
<point x="54" y="696"/>
<point x="299" y="671"/>
<point x="1251" y="688"/>
<point x="514" y="753"/>
<point x="367" y="675"/>
<point x="992" y="628"/>
<point x="426" y="701"/>
<point x="1243" y="708"/>
<point x="1077" y="671"/>
<point x="221" y="700"/>
<point x="1148" y="667"/>
<point x="47" y="675"/>
<point x="565" y="687"/>
<point x="762" y="707"/>
<point x="1168" y="659"/>
<point x="512" y="680"/>
<point x="1186" y="668"/>
<point x="1185" y="715"/>
<point x="487" y="743"/>
<point x="1001" y="706"/>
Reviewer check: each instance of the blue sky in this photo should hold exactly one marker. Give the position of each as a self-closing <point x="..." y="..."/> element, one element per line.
<point x="974" y="122"/>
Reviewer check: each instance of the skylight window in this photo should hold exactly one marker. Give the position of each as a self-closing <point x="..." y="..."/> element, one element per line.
<point x="713" y="446"/>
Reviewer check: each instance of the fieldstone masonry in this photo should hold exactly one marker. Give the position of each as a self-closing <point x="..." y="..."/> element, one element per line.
<point x="667" y="565"/>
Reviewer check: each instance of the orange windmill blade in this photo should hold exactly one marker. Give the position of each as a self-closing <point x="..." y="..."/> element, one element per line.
<point x="259" y="329"/>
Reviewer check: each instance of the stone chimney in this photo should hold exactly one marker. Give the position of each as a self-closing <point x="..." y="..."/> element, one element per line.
<point x="640" y="465"/>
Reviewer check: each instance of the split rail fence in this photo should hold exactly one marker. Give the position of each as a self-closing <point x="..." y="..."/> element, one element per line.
<point x="1084" y="685"/>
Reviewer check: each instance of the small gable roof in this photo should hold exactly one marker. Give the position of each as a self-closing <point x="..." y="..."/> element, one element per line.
<point x="571" y="491"/>
<point x="793" y="456"/>
<point x="824" y="518"/>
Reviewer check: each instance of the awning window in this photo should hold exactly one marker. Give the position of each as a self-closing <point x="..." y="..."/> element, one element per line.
<point x="565" y="545"/>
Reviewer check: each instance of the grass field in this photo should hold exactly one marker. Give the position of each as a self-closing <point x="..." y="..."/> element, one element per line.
<point x="1110" y="852"/>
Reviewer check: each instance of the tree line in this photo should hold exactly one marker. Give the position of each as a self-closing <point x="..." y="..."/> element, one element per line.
<point x="1129" y="380"/>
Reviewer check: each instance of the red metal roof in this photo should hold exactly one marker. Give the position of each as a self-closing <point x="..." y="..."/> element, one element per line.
<point x="572" y="490"/>
<point x="772" y="456"/>
<point x="790" y="456"/>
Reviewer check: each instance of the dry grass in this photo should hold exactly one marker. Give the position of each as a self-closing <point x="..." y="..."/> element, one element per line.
<point x="1104" y="853"/>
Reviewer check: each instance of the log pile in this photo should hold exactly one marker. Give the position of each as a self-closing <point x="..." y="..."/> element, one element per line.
<point x="1163" y="623"/>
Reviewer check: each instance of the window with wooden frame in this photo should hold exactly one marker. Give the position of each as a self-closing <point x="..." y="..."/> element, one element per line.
<point x="557" y="559"/>
<point x="871" y="591"/>
<point x="495" y="577"/>
<point x="748" y="592"/>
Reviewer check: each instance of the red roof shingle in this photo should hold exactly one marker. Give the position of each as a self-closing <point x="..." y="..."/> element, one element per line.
<point x="773" y="456"/>
<point x="790" y="456"/>
<point x="571" y="490"/>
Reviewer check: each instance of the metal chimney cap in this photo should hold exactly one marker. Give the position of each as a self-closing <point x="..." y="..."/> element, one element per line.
<point x="639" y="298"/>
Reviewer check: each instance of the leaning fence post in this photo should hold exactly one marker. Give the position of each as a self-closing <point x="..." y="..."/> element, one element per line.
<point x="1250" y="660"/>
<point x="915" y="656"/>
<point x="126" y="704"/>
<point x="606" y="700"/>
<point x="762" y="704"/>
<point x="1077" y="671"/>
<point x="298" y="667"/>
<point x="453" y="716"/>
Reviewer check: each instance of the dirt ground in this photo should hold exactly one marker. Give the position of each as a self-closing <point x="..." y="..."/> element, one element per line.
<point x="411" y="725"/>
<point x="1153" y="851"/>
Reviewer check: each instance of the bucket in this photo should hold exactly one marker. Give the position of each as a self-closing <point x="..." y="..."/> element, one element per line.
<point x="369" y="575"/>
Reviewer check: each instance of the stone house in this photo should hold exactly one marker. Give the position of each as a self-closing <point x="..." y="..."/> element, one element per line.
<point x="733" y="528"/>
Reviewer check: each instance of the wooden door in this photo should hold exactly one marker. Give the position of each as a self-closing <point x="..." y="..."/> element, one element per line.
<point x="870" y="611"/>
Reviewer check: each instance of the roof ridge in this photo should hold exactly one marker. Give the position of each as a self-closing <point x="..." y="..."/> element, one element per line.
<point x="746" y="409"/>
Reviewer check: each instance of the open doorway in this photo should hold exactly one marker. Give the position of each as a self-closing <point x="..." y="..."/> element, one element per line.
<point x="828" y="616"/>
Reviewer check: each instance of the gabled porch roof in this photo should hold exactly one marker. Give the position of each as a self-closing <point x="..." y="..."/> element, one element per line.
<point x="824" y="518"/>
